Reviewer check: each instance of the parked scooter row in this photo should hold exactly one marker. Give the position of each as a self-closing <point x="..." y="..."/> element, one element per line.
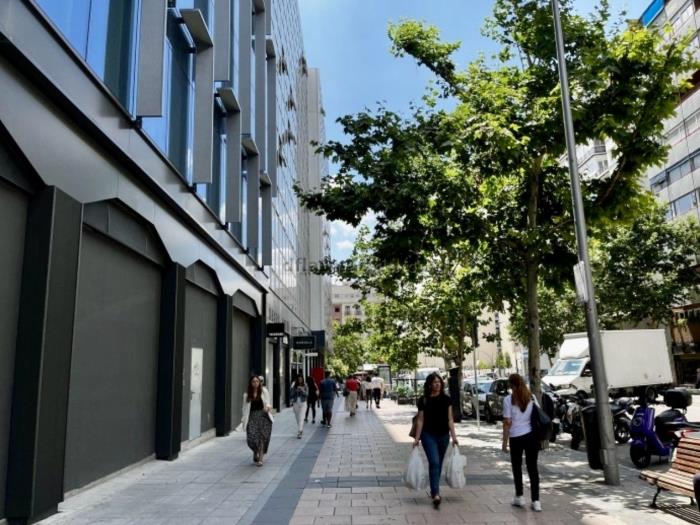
<point x="566" y="414"/>
<point x="651" y="434"/>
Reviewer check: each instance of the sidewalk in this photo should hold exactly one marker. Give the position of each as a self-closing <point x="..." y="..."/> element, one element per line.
<point x="351" y="474"/>
<point x="213" y="483"/>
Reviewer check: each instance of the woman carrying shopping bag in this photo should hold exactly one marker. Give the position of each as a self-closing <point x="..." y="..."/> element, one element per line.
<point x="258" y="417"/>
<point x="298" y="395"/>
<point x="518" y="432"/>
<point x="311" y="400"/>
<point x="434" y="426"/>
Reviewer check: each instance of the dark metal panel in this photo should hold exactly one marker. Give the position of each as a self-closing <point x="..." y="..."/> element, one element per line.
<point x="112" y="401"/>
<point x="245" y="304"/>
<point x="203" y="115"/>
<point x="222" y="40"/>
<point x="149" y="90"/>
<point x="245" y="34"/>
<point x="43" y="358"/>
<point x="276" y="376"/>
<point x="241" y="369"/>
<point x="272" y="123"/>
<point x="224" y="349"/>
<point x="253" y="206"/>
<point x="13" y="219"/>
<point x="200" y="332"/>
<point x="266" y="225"/>
<point x="204" y="277"/>
<point x="233" y="168"/>
<point x="170" y="363"/>
<point x="260" y="89"/>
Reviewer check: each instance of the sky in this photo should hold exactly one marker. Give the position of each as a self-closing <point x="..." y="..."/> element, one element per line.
<point x="347" y="40"/>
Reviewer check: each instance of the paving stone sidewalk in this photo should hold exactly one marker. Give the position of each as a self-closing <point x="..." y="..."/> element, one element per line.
<point x="351" y="474"/>
<point x="211" y="484"/>
<point x="357" y="480"/>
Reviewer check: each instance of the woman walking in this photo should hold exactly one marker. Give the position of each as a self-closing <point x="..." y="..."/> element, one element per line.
<point x="434" y="427"/>
<point x="517" y="431"/>
<point x="367" y="389"/>
<point x="257" y="414"/>
<point x="298" y="394"/>
<point x="311" y="399"/>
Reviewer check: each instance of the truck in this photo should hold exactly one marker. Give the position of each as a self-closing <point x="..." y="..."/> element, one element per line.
<point x="636" y="362"/>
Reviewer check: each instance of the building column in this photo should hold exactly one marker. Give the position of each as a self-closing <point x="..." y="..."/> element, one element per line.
<point x="43" y="359"/>
<point x="224" y="338"/>
<point x="170" y="363"/>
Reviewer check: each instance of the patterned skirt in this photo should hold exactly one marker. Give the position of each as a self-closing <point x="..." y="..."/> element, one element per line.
<point x="258" y="431"/>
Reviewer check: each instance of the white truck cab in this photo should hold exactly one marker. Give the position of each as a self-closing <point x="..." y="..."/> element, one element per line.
<point x="633" y="360"/>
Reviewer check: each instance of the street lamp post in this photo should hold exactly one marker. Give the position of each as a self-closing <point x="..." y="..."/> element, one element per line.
<point x="609" y="459"/>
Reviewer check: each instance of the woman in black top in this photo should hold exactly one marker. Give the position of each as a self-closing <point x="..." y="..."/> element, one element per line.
<point x="311" y="399"/>
<point x="434" y="426"/>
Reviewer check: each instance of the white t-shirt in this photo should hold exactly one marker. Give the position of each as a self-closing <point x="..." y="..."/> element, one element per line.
<point x="377" y="382"/>
<point x="520" y="421"/>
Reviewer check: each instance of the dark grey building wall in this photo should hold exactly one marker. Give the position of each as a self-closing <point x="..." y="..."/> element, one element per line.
<point x="200" y="332"/>
<point x="112" y="401"/>
<point x="13" y="218"/>
<point x="241" y="348"/>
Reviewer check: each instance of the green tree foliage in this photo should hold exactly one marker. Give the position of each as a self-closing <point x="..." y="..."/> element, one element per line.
<point x="641" y="269"/>
<point x="349" y="348"/>
<point x="488" y="173"/>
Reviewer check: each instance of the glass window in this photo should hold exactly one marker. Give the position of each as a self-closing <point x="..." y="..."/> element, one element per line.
<point x="103" y="32"/>
<point x="216" y="195"/>
<point x="235" y="33"/>
<point x="567" y="367"/>
<point x="675" y="134"/>
<point x="678" y="172"/>
<point x="173" y="131"/>
<point x="684" y="204"/>
<point x="692" y="123"/>
<point x="244" y="202"/>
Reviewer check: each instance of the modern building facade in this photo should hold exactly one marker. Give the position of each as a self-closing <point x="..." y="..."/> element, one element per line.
<point x="677" y="182"/>
<point x="148" y="151"/>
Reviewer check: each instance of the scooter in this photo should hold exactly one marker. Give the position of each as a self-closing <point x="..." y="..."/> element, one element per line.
<point x="658" y="435"/>
<point x="621" y="411"/>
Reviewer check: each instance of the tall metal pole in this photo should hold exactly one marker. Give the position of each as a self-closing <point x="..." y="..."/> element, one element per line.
<point x="609" y="459"/>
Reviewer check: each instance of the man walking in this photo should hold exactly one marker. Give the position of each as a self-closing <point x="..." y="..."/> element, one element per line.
<point x="377" y="389"/>
<point x="328" y="392"/>
<point x="352" y="385"/>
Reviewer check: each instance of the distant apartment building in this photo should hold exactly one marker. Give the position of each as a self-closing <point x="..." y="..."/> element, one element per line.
<point x="677" y="181"/>
<point x="151" y="234"/>
<point x="346" y="303"/>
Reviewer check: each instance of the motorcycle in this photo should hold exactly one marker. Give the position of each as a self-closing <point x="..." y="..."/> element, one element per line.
<point x="568" y="412"/>
<point x="621" y="410"/>
<point x="658" y="435"/>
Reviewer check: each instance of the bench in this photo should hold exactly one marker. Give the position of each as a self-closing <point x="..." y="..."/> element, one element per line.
<point x="679" y="478"/>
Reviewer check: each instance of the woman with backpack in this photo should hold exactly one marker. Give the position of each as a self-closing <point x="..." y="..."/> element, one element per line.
<point x="434" y="425"/>
<point x="519" y="434"/>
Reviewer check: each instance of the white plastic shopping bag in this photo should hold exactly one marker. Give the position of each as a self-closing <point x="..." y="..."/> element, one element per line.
<point x="415" y="475"/>
<point x="454" y="468"/>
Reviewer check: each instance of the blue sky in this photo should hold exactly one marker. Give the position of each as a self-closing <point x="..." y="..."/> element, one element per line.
<point x="347" y="41"/>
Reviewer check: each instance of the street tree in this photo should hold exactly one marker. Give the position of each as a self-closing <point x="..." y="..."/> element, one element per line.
<point x="349" y="348"/>
<point x="490" y="171"/>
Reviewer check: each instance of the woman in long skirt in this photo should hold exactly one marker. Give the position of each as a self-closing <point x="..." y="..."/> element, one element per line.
<point x="259" y="419"/>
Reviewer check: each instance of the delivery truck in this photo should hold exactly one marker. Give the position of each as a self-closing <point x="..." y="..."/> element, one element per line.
<point x="636" y="362"/>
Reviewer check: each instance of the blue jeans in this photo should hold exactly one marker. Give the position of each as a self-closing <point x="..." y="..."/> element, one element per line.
<point x="435" y="448"/>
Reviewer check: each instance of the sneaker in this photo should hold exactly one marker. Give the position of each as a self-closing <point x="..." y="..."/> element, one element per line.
<point x="536" y="506"/>
<point x="306" y="420"/>
<point x="328" y="425"/>
<point x="313" y="421"/>
<point x="299" y="435"/>
<point x="518" y="501"/>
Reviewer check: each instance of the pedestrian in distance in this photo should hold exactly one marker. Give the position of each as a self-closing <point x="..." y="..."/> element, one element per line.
<point x="352" y="386"/>
<point x="298" y="394"/>
<point x="311" y="399"/>
<point x="367" y="387"/>
<point x="434" y="426"/>
<point x="328" y="392"/>
<point x="517" y="432"/>
<point x="257" y="413"/>
<point x="377" y="389"/>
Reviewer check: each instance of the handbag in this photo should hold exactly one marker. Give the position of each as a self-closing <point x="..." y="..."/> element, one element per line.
<point x="346" y="392"/>
<point x="541" y="423"/>
<point x="414" y="425"/>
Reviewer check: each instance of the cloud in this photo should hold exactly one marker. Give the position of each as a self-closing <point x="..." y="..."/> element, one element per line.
<point x="344" y="245"/>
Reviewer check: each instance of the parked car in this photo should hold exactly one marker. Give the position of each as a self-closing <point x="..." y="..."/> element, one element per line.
<point x="492" y="392"/>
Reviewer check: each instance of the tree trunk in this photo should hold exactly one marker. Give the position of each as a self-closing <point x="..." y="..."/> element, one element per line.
<point x="532" y="271"/>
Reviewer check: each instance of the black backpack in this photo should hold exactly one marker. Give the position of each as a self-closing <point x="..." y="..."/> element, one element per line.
<point x="541" y="423"/>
